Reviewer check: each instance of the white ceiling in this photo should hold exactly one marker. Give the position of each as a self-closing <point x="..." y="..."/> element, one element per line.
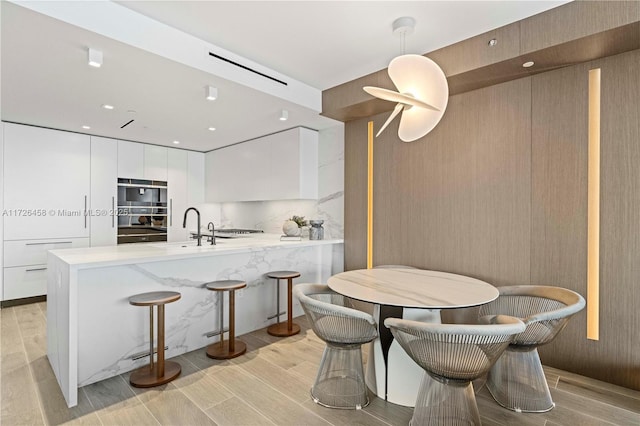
<point x="46" y="81"/>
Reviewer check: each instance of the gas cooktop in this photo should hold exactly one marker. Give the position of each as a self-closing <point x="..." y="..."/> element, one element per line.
<point x="234" y="232"/>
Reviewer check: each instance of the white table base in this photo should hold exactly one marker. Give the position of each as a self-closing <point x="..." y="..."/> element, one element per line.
<point x="403" y="374"/>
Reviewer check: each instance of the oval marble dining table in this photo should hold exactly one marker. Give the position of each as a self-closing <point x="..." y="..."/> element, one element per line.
<point x="415" y="294"/>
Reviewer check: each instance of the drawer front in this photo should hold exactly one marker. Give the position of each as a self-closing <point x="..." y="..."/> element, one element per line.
<point x="24" y="281"/>
<point x="34" y="252"/>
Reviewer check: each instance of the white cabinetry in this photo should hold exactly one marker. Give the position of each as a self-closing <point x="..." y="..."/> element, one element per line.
<point x="155" y="162"/>
<point x="142" y="161"/>
<point x="177" y="171"/>
<point x="185" y="188"/>
<point x="195" y="178"/>
<point x="282" y="166"/>
<point x="46" y="189"/>
<point x="130" y="160"/>
<point x="1" y="206"/>
<point x="25" y="265"/>
<point x="46" y="183"/>
<point x="104" y="191"/>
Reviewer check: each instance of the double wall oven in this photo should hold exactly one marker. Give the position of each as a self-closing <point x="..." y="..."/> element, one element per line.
<point x="142" y="211"/>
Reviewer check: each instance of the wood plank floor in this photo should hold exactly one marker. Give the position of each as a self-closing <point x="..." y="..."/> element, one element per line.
<point x="267" y="386"/>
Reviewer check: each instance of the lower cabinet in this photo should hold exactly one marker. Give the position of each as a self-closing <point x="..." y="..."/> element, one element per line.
<point x="25" y="265"/>
<point x="24" y="281"/>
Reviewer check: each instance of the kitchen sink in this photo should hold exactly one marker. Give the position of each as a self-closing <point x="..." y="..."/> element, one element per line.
<point x="185" y="244"/>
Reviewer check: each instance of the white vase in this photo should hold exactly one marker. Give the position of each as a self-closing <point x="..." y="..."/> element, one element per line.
<point x="290" y="228"/>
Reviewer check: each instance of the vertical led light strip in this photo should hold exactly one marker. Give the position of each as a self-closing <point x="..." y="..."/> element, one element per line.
<point x="370" y="195"/>
<point x="593" y="209"/>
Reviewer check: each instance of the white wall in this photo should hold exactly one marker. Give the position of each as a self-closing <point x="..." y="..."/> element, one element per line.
<point x="269" y="215"/>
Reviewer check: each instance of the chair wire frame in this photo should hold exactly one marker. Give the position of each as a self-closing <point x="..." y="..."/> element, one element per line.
<point x="452" y="355"/>
<point x="340" y="379"/>
<point x="517" y="380"/>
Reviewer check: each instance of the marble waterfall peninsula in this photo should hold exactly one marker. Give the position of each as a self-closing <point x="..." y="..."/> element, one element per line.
<point x="93" y="333"/>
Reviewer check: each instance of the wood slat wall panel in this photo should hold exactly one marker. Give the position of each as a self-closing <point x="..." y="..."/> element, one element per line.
<point x="620" y="221"/>
<point x="559" y="218"/>
<point x="355" y="195"/>
<point x="574" y="20"/>
<point x="559" y="196"/>
<point x="475" y="52"/>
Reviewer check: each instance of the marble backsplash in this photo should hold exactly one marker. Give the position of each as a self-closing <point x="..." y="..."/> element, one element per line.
<point x="270" y="215"/>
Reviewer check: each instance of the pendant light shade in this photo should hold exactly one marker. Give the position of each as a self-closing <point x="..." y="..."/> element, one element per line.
<point x="423" y="79"/>
<point x="423" y="92"/>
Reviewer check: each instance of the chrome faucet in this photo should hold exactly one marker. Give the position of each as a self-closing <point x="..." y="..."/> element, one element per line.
<point x="184" y="224"/>
<point x="211" y="227"/>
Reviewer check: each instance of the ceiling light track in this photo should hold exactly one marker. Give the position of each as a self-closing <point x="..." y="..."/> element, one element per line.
<point x="127" y="123"/>
<point x="244" y="67"/>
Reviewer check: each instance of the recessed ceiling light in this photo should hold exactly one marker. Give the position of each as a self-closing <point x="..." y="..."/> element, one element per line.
<point x="176" y="142"/>
<point x="107" y="106"/>
<point x="284" y="115"/>
<point x="95" y="58"/>
<point x="213" y="129"/>
<point x="86" y="127"/>
<point x="528" y="64"/>
<point x="493" y="42"/>
<point x="211" y="93"/>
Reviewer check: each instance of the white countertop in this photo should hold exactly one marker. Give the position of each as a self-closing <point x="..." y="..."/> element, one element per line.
<point x="153" y="252"/>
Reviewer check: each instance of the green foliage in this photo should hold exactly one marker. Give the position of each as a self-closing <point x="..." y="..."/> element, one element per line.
<point x="299" y="220"/>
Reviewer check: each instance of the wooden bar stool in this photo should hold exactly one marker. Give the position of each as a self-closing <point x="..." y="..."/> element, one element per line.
<point x="288" y="328"/>
<point x="162" y="371"/>
<point x="233" y="347"/>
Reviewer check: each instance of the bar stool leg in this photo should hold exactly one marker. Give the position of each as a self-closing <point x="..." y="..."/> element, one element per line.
<point x="221" y="308"/>
<point x="160" y="372"/>
<point x="289" y="305"/>
<point x="277" y="300"/>
<point x="234" y="347"/>
<point x="151" y="363"/>
<point x="232" y="321"/>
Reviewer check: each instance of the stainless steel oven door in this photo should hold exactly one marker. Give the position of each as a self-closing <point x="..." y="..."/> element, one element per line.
<point x="141" y="234"/>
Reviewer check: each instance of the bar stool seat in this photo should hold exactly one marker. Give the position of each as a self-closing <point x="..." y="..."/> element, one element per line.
<point x="162" y="371"/>
<point x="232" y="347"/>
<point x="288" y="328"/>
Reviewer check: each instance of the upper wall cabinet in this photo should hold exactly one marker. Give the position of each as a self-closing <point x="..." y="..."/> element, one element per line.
<point x="46" y="183"/>
<point x="130" y="160"/>
<point x="282" y="166"/>
<point x="142" y="161"/>
<point x="155" y="162"/>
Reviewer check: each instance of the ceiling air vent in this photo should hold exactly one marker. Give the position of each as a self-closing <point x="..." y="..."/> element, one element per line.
<point x="126" y="124"/>
<point x="244" y="67"/>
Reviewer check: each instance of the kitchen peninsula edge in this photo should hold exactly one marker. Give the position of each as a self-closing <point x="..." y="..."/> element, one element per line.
<point x="93" y="333"/>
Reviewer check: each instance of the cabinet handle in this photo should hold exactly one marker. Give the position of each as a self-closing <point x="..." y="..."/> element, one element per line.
<point x="170" y="211"/>
<point x="113" y="212"/>
<point x="48" y="242"/>
<point x="85" y="212"/>
<point x="35" y="269"/>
